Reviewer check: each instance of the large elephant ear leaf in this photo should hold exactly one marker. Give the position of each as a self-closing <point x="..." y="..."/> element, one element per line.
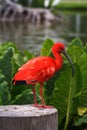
<point x="26" y="97"/>
<point x="5" y="96"/>
<point x="75" y="53"/>
<point x="83" y="67"/>
<point x="79" y="56"/>
<point x="77" y="42"/>
<point x="6" y="65"/>
<point x="65" y="95"/>
<point x="46" y="49"/>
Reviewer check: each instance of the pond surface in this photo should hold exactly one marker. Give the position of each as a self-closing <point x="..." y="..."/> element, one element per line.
<point x="31" y="36"/>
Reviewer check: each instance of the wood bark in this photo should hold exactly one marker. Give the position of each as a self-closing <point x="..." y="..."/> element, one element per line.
<point x="27" y="117"/>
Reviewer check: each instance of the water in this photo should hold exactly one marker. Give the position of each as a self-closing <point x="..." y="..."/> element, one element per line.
<point x="31" y="36"/>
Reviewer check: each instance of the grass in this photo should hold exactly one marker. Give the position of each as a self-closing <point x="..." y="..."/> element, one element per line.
<point x="75" y="4"/>
<point x="73" y="1"/>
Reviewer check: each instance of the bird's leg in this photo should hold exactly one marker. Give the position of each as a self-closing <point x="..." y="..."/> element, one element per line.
<point x="41" y="95"/>
<point x="34" y="94"/>
<point x="42" y="98"/>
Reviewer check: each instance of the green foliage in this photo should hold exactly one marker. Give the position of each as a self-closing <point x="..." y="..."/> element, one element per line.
<point x="5" y="97"/>
<point x="33" y="3"/>
<point x="40" y="3"/>
<point x="23" y="2"/>
<point x="68" y="94"/>
<point x="10" y="60"/>
<point x="5" y="65"/>
<point x="64" y="95"/>
<point x="26" y="97"/>
<point x="81" y="120"/>
<point x="46" y="49"/>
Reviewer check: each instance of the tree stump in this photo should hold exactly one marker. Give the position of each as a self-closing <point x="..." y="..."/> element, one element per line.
<point x="27" y="117"/>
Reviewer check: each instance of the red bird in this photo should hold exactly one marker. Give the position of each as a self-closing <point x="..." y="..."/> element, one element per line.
<point x="40" y="69"/>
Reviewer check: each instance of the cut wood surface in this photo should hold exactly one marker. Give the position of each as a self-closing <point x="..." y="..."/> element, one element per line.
<point x="27" y="117"/>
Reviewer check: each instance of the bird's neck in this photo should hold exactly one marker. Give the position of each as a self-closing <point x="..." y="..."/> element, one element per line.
<point x="58" y="60"/>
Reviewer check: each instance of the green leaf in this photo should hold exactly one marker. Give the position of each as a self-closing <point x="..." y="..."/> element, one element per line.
<point x="17" y="90"/>
<point x="65" y="95"/>
<point x="49" y="87"/>
<point x="75" y="53"/>
<point x="77" y="42"/>
<point x="27" y="55"/>
<point x="79" y="57"/>
<point x="83" y="69"/>
<point x="26" y="97"/>
<point x="46" y="49"/>
<point x="5" y="96"/>
<point x="85" y="48"/>
<point x="6" y="66"/>
<point x="17" y="59"/>
<point x="5" y="46"/>
<point x="80" y="120"/>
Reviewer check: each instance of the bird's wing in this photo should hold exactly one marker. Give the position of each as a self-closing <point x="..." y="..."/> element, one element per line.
<point x="38" y="69"/>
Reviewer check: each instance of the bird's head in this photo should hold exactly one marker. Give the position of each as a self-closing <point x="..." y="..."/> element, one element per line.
<point x="60" y="48"/>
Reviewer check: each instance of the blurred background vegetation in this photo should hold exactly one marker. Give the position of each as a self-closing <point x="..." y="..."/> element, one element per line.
<point x="72" y="19"/>
<point x="40" y="3"/>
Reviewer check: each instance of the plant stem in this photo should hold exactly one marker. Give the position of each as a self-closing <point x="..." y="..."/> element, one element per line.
<point x="68" y="107"/>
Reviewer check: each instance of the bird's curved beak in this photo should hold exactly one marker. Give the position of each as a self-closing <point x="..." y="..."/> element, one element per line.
<point x="70" y="61"/>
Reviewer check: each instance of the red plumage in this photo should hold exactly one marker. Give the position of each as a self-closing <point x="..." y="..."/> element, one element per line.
<point x="38" y="69"/>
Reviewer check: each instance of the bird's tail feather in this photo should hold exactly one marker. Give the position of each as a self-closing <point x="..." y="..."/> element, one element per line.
<point x="19" y="82"/>
<point x="23" y="82"/>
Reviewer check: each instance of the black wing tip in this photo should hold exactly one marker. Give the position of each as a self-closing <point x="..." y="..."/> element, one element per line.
<point x="19" y="82"/>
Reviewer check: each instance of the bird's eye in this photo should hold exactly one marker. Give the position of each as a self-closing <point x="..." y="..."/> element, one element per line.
<point x="61" y="49"/>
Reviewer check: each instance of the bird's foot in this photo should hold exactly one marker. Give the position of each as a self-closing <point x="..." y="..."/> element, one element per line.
<point x="47" y="107"/>
<point x="42" y="106"/>
<point x="35" y="105"/>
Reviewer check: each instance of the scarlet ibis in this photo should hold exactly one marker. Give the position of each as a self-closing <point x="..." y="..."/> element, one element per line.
<point x="40" y="69"/>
